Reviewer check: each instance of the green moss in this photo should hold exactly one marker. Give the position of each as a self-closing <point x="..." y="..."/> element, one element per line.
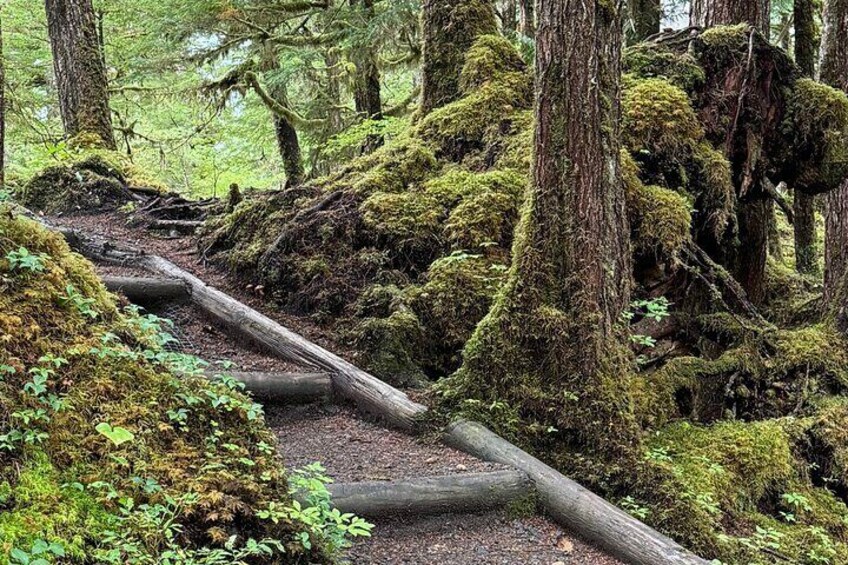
<point x="114" y="372"/>
<point x="658" y="118"/>
<point x="490" y="57"/>
<point x="79" y="187"/>
<point x="408" y="219"/>
<point x="660" y="220"/>
<point x="817" y="129"/>
<point x="649" y="60"/>
<point x="392" y="347"/>
<point x="733" y="37"/>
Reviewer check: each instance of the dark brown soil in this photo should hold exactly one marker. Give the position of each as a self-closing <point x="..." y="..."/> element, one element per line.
<point x="353" y="450"/>
<point x="478" y="539"/>
<point x="197" y="335"/>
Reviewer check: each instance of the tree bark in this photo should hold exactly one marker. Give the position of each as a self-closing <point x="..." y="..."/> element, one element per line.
<point x="80" y="72"/>
<point x="527" y="18"/>
<point x="2" y="110"/>
<point x="450" y="28"/>
<point x="834" y="71"/>
<point x="555" y="324"/>
<point x="367" y="96"/>
<point x="509" y="18"/>
<point x="708" y="13"/>
<point x="645" y="17"/>
<point x="806" y="253"/>
<point x="288" y="142"/>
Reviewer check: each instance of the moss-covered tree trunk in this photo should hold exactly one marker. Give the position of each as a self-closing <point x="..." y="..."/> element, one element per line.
<point x="509" y="18"/>
<point x="367" y="95"/>
<point x="645" y="17"/>
<point x="708" y="13"/>
<point x="551" y="346"/>
<point x="2" y="109"/>
<point x="80" y="72"/>
<point x="450" y="28"/>
<point x="834" y="71"/>
<point x="288" y="141"/>
<point x="527" y="18"/>
<point x="747" y="260"/>
<point x="806" y="253"/>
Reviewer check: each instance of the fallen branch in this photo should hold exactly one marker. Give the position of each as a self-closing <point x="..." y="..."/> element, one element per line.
<point x="283" y="388"/>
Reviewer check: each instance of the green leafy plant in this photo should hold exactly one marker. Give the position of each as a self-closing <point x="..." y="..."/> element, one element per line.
<point x="23" y="260"/>
<point x="116" y="434"/>
<point x="84" y="305"/>
<point x="40" y="553"/>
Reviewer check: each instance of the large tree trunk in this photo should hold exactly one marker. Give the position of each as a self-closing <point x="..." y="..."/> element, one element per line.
<point x="834" y="71"/>
<point x="806" y="253"/>
<point x="555" y="326"/>
<point x="748" y="259"/>
<point x="80" y="72"/>
<point x="707" y="13"/>
<point x="527" y="18"/>
<point x="645" y="18"/>
<point x="450" y="28"/>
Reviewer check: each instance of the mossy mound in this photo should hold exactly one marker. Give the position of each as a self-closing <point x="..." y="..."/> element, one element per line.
<point x="112" y="447"/>
<point x="91" y="184"/>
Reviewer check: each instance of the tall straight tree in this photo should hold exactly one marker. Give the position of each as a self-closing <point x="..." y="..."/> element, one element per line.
<point x="834" y="71"/>
<point x="707" y="13"/>
<point x="450" y="28"/>
<point x="527" y="18"/>
<point x="367" y="91"/>
<point x="806" y="252"/>
<point x="2" y="108"/>
<point x="645" y="17"/>
<point x="551" y="345"/>
<point x="80" y="71"/>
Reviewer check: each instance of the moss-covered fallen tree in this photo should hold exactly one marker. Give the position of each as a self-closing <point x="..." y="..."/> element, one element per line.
<point x="115" y="450"/>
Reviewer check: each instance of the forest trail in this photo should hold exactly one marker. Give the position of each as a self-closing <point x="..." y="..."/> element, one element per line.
<point x="357" y="452"/>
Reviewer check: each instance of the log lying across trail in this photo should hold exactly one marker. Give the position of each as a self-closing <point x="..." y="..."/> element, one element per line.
<point x="284" y="388"/>
<point x="147" y="290"/>
<point x="470" y="492"/>
<point x="573" y="506"/>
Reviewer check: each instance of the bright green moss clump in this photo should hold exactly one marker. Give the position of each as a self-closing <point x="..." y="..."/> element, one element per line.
<point x="198" y="451"/>
<point x="648" y="60"/>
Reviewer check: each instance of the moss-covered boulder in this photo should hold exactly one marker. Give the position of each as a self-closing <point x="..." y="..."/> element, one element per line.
<point x="113" y="449"/>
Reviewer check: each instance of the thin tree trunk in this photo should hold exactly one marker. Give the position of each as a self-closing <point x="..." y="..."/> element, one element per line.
<point x="367" y="96"/>
<point x="80" y="72"/>
<point x="288" y="142"/>
<point x="707" y="13"/>
<point x="450" y="28"/>
<point x="645" y="17"/>
<point x="555" y="325"/>
<point x="834" y="71"/>
<point x="527" y="18"/>
<point x="510" y="18"/>
<point x="2" y="110"/>
<point x="806" y="252"/>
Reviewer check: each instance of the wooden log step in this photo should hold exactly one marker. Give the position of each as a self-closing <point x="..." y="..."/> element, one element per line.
<point x="472" y="492"/>
<point x="146" y="289"/>
<point x="182" y="226"/>
<point x="283" y="388"/>
<point x="574" y="506"/>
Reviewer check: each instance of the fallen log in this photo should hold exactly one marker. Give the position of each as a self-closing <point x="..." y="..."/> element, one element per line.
<point x="368" y="392"/>
<point x="182" y="226"/>
<point x="146" y="290"/>
<point x="472" y="492"/>
<point x="572" y="505"/>
<point x="283" y="388"/>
